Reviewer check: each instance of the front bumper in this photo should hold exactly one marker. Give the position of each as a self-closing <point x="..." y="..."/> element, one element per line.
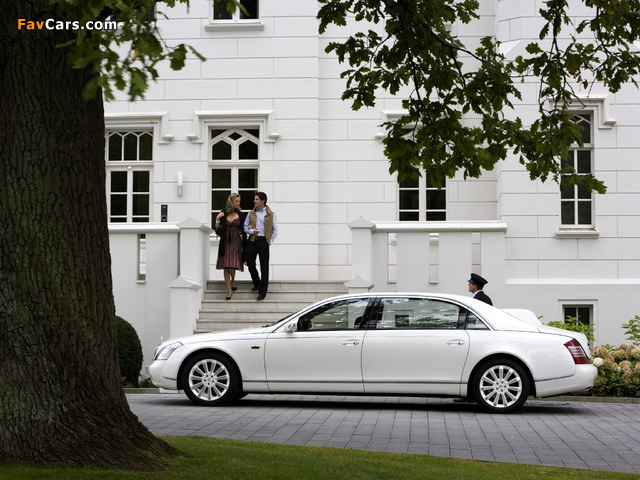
<point x="155" y="371"/>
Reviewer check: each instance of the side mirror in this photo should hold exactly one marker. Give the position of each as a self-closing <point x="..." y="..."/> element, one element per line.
<point x="291" y="327"/>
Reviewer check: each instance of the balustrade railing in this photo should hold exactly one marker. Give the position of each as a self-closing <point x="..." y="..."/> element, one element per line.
<point x="425" y="256"/>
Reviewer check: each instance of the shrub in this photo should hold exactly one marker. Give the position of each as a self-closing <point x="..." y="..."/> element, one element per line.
<point x="574" y="325"/>
<point x="620" y="353"/>
<point x="129" y="352"/>
<point x="633" y="353"/>
<point x="616" y="387"/>
<point x="632" y="330"/>
<point x="145" y="382"/>
<point x="618" y="367"/>
<point x="618" y="371"/>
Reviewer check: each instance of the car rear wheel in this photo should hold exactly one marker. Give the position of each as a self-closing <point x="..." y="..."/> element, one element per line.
<point x="501" y="386"/>
<point x="210" y="379"/>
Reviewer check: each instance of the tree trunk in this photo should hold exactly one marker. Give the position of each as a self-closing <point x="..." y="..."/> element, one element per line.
<point x="61" y="396"/>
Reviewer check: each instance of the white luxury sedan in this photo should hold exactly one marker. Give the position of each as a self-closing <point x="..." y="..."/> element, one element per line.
<point x="399" y="344"/>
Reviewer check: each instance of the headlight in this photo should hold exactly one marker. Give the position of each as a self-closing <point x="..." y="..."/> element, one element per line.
<point x="163" y="353"/>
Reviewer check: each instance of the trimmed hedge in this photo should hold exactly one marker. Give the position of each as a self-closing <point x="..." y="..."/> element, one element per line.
<point x="129" y="352"/>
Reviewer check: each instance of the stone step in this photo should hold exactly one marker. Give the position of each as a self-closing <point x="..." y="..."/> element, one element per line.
<point x="248" y="297"/>
<point x="237" y="321"/>
<point x="285" y="287"/>
<point x="250" y="316"/>
<point x="220" y="326"/>
<point x="243" y="310"/>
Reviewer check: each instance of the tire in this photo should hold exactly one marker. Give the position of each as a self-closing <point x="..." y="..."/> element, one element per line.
<point x="239" y="396"/>
<point x="210" y="379"/>
<point x="501" y="386"/>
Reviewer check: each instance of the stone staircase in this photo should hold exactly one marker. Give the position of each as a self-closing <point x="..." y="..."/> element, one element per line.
<point x="243" y="310"/>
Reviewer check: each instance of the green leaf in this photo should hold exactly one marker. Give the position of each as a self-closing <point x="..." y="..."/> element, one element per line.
<point x="450" y="84"/>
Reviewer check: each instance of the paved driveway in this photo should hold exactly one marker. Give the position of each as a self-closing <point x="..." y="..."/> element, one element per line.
<point x="602" y="436"/>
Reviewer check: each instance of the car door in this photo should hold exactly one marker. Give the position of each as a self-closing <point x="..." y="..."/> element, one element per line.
<point x="321" y="352"/>
<point x="415" y="347"/>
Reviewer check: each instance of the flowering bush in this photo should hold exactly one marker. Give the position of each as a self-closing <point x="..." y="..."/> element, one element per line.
<point x="618" y="367"/>
<point x="618" y="371"/>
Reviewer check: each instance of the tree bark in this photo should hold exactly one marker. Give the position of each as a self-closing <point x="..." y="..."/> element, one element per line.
<point x="61" y="396"/>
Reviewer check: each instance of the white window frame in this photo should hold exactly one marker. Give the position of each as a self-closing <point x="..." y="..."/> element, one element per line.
<point x="392" y="116"/>
<point x="578" y="305"/>
<point x="130" y="168"/>
<point x="423" y="188"/>
<point x="234" y="164"/>
<point x="205" y="121"/>
<point x="155" y="123"/>
<point x="130" y="171"/>
<point x="422" y="198"/>
<point x="576" y="201"/>
<point x="235" y="23"/>
<point x="591" y="304"/>
<point x="599" y="107"/>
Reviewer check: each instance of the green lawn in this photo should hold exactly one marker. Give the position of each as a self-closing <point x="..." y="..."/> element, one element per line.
<point x="227" y="459"/>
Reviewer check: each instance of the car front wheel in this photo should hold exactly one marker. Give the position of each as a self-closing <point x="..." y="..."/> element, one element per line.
<point x="210" y="379"/>
<point x="501" y="386"/>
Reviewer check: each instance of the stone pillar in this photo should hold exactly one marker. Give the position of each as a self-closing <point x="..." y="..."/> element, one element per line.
<point x="361" y="255"/>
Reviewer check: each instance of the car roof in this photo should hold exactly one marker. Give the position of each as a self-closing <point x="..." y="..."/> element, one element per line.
<point x="497" y="318"/>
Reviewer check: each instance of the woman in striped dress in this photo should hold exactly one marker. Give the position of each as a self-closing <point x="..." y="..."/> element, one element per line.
<point x="229" y="227"/>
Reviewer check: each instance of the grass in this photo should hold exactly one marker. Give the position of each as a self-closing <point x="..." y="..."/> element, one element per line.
<point x="235" y="460"/>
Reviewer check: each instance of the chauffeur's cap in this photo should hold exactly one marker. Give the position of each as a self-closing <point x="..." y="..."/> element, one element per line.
<point x="478" y="280"/>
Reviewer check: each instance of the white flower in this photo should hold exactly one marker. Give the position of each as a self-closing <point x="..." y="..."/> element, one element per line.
<point x="598" y="361"/>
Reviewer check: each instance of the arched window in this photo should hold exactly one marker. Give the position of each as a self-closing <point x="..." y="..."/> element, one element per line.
<point x="234" y="154"/>
<point x="128" y="155"/>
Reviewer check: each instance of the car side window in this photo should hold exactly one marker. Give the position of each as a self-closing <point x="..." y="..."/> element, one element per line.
<point x="340" y="315"/>
<point x="398" y="313"/>
<point x="474" y="323"/>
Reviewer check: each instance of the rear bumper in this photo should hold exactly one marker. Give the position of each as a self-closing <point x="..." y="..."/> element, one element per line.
<point x="583" y="378"/>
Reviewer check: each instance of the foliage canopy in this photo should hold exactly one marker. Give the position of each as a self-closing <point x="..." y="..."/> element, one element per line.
<point x="125" y="58"/>
<point x="457" y="106"/>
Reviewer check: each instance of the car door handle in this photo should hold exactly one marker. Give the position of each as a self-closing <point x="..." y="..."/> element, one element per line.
<point x="351" y="342"/>
<point x="455" y="342"/>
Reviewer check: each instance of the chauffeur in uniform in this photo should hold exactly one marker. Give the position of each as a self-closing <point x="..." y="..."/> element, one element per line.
<point x="476" y="284"/>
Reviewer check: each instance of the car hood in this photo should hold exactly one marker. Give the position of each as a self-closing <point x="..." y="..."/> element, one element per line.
<point x="222" y="335"/>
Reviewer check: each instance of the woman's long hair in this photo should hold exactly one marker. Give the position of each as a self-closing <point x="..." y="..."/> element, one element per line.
<point x="230" y="206"/>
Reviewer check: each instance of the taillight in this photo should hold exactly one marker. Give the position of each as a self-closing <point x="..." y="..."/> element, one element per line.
<point x="577" y="352"/>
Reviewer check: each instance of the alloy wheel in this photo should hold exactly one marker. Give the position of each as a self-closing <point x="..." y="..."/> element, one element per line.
<point x="209" y="379"/>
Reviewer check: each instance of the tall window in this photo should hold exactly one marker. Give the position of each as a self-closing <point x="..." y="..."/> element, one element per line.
<point x="220" y="11"/>
<point x="576" y="200"/>
<point x="234" y="155"/>
<point x="420" y="200"/>
<point x="129" y="156"/>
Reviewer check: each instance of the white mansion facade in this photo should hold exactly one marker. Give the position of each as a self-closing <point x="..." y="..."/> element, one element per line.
<point x="264" y="113"/>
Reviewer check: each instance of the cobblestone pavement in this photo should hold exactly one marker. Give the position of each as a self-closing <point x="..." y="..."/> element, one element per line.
<point x="600" y="436"/>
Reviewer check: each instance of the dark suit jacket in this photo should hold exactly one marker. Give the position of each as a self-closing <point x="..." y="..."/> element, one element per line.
<point x="483" y="297"/>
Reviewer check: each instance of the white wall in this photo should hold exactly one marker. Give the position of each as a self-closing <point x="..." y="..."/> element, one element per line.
<point x="327" y="168"/>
